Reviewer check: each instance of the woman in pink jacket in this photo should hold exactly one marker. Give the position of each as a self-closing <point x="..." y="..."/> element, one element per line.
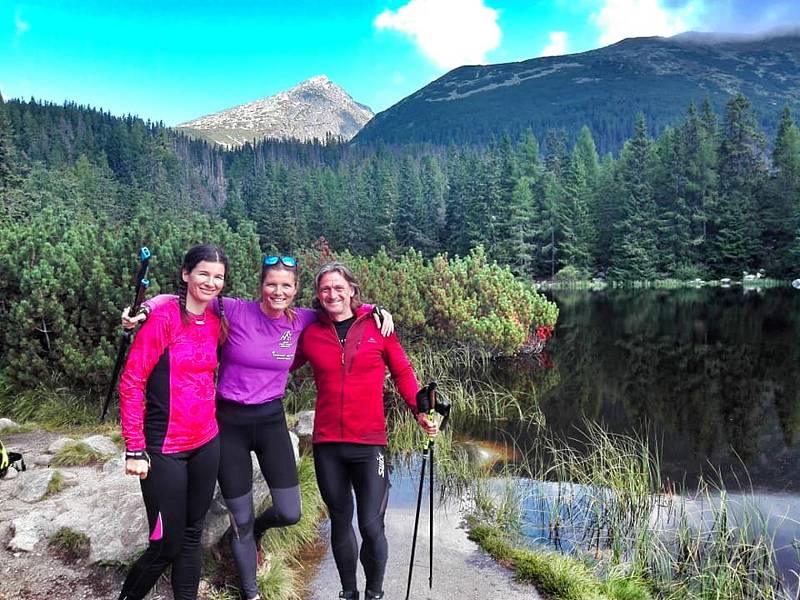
<point x="171" y="438"/>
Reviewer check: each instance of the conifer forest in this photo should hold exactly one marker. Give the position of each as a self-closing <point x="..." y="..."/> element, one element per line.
<point x="82" y="190"/>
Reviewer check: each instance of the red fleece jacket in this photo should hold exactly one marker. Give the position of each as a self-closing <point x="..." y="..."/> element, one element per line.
<point x="350" y="379"/>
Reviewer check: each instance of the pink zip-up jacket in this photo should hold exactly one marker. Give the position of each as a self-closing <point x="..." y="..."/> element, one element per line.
<point x="166" y="392"/>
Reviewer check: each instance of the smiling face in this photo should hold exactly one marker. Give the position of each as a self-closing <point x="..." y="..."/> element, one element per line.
<point x="278" y="289"/>
<point x="334" y="294"/>
<point x="203" y="283"/>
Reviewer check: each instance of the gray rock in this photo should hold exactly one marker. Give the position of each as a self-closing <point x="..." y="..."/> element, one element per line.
<point x="56" y="446"/>
<point x="43" y="460"/>
<point x="103" y="504"/>
<point x="305" y="424"/>
<point x="33" y="486"/>
<point x="7" y="424"/>
<point x="110" y="514"/>
<point x="26" y="533"/>
<point x="102" y="444"/>
<point x="295" y="445"/>
<point x="11" y="474"/>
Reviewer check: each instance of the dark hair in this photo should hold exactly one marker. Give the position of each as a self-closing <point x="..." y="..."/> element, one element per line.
<point x="290" y="313"/>
<point x="337" y="267"/>
<point x="193" y="257"/>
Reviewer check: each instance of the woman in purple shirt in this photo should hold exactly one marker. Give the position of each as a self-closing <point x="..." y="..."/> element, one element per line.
<point x="254" y="368"/>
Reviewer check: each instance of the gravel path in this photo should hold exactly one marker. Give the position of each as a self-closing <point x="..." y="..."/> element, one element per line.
<point x="462" y="571"/>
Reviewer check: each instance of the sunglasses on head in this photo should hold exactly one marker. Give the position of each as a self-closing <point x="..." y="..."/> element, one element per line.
<point x="288" y="261"/>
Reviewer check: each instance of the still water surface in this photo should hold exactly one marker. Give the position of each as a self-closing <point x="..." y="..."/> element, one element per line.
<point x="710" y="376"/>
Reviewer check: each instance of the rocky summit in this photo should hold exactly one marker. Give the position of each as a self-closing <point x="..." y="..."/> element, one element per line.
<point x="314" y="109"/>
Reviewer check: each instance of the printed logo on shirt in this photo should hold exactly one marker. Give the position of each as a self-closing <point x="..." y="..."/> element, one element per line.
<point x="286" y="339"/>
<point x="282" y="356"/>
<point x="380" y="465"/>
<point x="372" y="340"/>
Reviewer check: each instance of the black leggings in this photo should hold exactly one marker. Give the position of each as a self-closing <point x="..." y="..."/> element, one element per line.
<point x="267" y="436"/>
<point x="177" y="493"/>
<point x="341" y="469"/>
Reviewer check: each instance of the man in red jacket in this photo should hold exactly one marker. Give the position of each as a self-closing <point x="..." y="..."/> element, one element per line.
<point x="349" y="358"/>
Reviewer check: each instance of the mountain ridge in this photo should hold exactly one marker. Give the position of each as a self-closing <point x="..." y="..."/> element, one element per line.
<point x="602" y="88"/>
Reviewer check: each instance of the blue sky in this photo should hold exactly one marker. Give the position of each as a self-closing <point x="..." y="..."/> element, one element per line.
<point x="174" y="60"/>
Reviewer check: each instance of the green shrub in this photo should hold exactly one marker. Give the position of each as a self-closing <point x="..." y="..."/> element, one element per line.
<point x="447" y="300"/>
<point x="570" y="273"/>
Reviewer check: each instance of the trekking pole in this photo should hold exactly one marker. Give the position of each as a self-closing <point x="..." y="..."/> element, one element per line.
<point x="416" y="520"/>
<point x="426" y="402"/>
<point x="141" y="287"/>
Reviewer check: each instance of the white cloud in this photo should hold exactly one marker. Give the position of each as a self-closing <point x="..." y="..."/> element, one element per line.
<point x="557" y="45"/>
<point x="21" y="26"/>
<point x="450" y="33"/>
<point x="619" y="19"/>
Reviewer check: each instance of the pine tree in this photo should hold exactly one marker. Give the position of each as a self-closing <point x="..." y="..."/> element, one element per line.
<point x="528" y="159"/>
<point x="635" y="251"/>
<point x="544" y="225"/>
<point x="556" y="159"/>
<point x="782" y="210"/>
<point x="434" y="191"/>
<point x="742" y="172"/>
<point x="9" y="176"/>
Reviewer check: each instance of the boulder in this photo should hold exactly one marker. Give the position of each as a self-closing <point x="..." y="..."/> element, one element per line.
<point x="32" y="487"/>
<point x="102" y="444"/>
<point x="56" y="446"/>
<point x="105" y="505"/>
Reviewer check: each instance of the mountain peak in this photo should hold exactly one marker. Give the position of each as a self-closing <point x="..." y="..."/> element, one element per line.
<point x="313" y="109"/>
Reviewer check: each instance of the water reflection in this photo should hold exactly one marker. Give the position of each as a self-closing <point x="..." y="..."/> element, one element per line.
<point x="710" y="374"/>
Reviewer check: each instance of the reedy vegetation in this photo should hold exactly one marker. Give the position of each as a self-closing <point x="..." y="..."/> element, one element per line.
<point x="600" y="499"/>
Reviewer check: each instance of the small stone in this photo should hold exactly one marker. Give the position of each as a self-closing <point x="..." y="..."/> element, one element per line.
<point x="11" y="473"/>
<point x="7" y="424"/>
<point x="305" y="424"/>
<point x="43" y="460"/>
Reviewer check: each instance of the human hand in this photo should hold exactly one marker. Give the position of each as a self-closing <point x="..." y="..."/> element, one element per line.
<point x="429" y="426"/>
<point x="129" y="322"/>
<point x="137" y="466"/>
<point x="383" y="319"/>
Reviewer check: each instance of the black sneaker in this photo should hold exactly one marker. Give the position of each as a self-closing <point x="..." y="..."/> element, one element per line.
<point x="351" y="595"/>
<point x="370" y="595"/>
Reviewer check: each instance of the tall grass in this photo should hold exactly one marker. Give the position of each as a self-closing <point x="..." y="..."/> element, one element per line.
<point x="601" y="496"/>
<point x="53" y="406"/>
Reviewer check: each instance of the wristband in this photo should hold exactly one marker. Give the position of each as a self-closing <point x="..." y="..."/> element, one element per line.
<point x="143" y="310"/>
<point x="137" y="455"/>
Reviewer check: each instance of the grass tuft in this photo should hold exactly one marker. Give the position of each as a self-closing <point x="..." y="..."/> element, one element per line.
<point x="69" y="545"/>
<point x="55" y="485"/>
<point x="77" y="454"/>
